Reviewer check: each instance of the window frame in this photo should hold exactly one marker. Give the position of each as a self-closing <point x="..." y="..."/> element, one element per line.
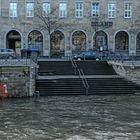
<point x="79" y="12"/>
<point x="111" y="11"/>
<point x="13" y="9"/>
<point x="46" y="9"/>
<point x="95" y="12"/>
<point x="63" y="12"/>
<point x="29" y="11"/>
<point x="128" y="10"/>
<point x="0" y="9"/>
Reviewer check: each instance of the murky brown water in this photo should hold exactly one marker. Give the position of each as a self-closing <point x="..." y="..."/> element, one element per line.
<point x="71" y="118"/>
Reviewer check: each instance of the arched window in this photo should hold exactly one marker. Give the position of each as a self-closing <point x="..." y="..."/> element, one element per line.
<point x="121" y="41"/>
<point x="13" y="41"/>
<point x="57" y="44"/>
<point x="35" y="40"/>
<point x="138" y="44"/>
<point x="100" y="40"/>
<point x="78" y="41"/>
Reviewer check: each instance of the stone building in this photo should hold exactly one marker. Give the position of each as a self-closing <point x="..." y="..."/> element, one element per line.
<point x="72" y="25"/>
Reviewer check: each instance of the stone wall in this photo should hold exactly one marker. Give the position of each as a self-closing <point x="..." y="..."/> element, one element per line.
<point x="25" y="25"/>
<point x="20" y="83"/>
<point x="129" y="70"/>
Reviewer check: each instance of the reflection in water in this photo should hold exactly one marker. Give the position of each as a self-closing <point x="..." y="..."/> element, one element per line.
<point x="71" y="118"/>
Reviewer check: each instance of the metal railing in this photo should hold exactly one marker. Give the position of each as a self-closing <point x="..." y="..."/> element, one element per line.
<point x="121" y="56"/>
<point x="81" y="75"/>
<point x="17" y="62"/>
<point x="84" y="80"/>
<point x="74" y="66"/>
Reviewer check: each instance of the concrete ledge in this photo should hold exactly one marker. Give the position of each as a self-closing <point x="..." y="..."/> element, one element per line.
<point x="127" y="69"/>
<point x="125" y="63"/>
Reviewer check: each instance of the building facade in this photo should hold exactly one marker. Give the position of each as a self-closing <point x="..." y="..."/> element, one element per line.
<point x="63" y="27"/>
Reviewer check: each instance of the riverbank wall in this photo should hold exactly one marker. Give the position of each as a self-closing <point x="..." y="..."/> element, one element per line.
<point x="127" y="69"/>
<point x="19" y="77"/>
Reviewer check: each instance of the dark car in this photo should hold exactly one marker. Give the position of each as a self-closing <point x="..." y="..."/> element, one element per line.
<point x="87" y="55"/>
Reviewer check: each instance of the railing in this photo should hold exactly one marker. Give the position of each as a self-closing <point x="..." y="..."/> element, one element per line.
<point x="84" y="80"/>
<point x="17" y="62"/>
<point x="74" y="65"/>
<point x="121" y="56"/>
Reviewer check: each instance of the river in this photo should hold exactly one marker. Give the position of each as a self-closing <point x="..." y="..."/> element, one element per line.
<point x="111" y="117"/>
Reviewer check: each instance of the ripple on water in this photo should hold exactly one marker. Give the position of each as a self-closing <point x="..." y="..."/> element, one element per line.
<point x="78" y="137"/>
<point x="71" y="118"/>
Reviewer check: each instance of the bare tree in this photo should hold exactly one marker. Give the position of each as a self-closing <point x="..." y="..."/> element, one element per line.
<point x="47" y="20"/>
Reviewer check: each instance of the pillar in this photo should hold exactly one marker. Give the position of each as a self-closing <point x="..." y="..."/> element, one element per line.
<point x="46" y="45"/>
<point x="68" y="51"/>
<point x="132" y="45"/>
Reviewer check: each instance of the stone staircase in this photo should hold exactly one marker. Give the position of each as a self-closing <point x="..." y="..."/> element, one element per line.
<point x="62" y="86"/>
<point x="55" y="68"/>
<point x="65" y="68"/>
<point x="58" y="78"/>
<point x="95" y="68"/>
<point x="111" y="86"/>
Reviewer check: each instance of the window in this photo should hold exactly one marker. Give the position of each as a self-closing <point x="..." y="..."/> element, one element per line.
<point x="95" y="9"/>
<point x="46" y="9"/>
<point x="111" y="10"/>
<point x="79" y="9"/>
<point x="62" y="10"/>
<point x="0" y="7"/>
<point x="12" y="9"/>
<point x="127" y="10"/>
<point x="29" y="9"/>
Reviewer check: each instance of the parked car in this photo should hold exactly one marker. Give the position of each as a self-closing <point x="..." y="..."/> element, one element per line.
<point x="28" y="52"/>
<point x="87" y="55"/>
<point x="7" y="53"/>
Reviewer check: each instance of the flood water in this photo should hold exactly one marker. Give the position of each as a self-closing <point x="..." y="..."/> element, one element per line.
<point x="71" y="118"/>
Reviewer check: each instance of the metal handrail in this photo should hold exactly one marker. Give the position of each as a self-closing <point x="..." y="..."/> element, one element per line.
<point x="74" y="65"/>
<point x="84" y="80"/>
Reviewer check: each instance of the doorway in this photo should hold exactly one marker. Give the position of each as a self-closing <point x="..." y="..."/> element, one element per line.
<point x="13" y="41"/>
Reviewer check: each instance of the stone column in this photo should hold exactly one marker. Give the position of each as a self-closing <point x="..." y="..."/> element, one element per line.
<point x="24" y="41"/>
<point x="89" y="41"/>
<point x="132" y="45"/>
<point x="68" y="49"/>
<point x="46" y="45"/>
<point x="111" y="42"/>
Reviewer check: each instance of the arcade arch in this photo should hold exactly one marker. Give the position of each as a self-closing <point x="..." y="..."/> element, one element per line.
<point x="57" y="42"/>
<point x="35" y="40"/>
<point x="122" y="42"/>
<point x="78" y="41"/>
<point x="138" y="44"/>
<point x="13" y="41"/>
<point x="100" y="39"/>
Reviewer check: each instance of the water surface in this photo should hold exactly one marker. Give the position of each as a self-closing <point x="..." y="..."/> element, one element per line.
<point x="71" y="118"/>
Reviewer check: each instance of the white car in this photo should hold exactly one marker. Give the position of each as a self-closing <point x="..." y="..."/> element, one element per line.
<point x="7" y="53"/>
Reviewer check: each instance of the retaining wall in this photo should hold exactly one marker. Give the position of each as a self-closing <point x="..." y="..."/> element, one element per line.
<point x="20" y="81"/>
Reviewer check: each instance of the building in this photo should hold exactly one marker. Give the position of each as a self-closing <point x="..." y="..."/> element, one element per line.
<point x="73" y="25"/>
